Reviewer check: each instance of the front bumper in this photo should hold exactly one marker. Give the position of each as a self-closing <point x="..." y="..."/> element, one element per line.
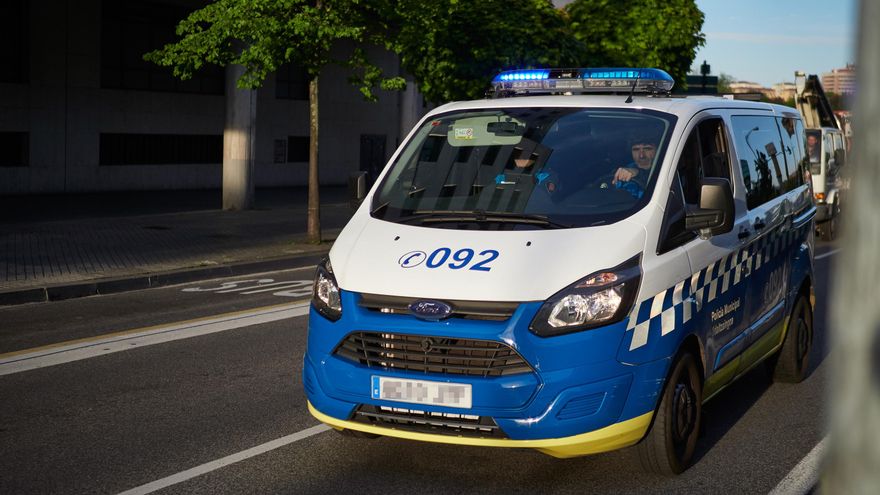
<point x="579" y="399"/>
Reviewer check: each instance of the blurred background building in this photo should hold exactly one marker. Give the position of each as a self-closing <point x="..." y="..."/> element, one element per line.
<point x="840" y="81"/>
<point x="81" y="111"/>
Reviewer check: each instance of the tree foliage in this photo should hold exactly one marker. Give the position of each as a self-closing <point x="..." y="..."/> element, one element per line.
<point x="638" y="33"/>
<point x="724" y="81"/>
<point x="261" y="35"/>
<point x="453" y="48"/>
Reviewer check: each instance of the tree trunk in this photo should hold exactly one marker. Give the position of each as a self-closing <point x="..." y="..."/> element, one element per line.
<point x="314" y="214"/>
<point x="238" y="143"/>
<point x="854" y="450"/>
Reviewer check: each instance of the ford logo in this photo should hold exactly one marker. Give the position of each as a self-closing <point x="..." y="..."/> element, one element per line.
<point x="430" y="310"/>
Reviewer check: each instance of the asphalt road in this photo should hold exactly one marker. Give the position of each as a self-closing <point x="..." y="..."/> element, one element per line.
<point x="117" y="421"/>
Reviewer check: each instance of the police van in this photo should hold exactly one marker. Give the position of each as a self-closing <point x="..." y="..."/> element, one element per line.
<point x="575" y="265"/>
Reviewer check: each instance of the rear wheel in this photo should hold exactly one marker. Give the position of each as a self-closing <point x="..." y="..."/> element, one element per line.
<point x="669" y="445"/>
<point x="791" y="364"/>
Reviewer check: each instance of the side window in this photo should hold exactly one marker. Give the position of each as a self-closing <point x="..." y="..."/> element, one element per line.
<point x="705" y="154"/>
<point x="800" y="139"/>
<point x="827" y="148"/>
<point x="792" y="149"/>
<point x="839" y="150"/>
<point x="759" y="150"/>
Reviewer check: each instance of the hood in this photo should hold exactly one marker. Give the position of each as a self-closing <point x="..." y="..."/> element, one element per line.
<point x="378" y="257"/>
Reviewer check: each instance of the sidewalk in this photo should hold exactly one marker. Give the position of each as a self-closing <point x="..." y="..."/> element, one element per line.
<point x="57" y="247"/>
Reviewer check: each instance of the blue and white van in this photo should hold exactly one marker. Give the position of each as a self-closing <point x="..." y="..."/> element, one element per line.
<point x="575" y="265"/>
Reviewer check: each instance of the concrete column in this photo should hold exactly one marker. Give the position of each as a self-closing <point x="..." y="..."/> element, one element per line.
<point x="238" y="143"/>
<point x="854" y="449"/>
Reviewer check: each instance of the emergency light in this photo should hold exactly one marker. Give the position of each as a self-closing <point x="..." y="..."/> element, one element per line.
<point x="571" y="81"/>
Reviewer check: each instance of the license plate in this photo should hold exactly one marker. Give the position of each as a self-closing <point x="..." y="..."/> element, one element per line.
<point x="422" y="392"/>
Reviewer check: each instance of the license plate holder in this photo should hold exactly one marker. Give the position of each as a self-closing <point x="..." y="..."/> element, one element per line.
<point x="425" y="392"/>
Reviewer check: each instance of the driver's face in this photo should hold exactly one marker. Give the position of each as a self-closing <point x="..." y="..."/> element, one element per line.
<point x="643" y="154"/>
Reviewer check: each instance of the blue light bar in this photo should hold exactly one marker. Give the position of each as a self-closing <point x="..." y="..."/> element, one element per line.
<point x="523" y="75"/>
<point x="587" y="80"/>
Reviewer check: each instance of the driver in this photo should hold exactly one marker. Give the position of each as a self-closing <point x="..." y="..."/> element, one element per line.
<point x="633" y="177"/>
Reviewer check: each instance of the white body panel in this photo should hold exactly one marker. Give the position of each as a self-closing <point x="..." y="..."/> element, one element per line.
<point x="366" y="256"/>
<point x="531" y="265"/>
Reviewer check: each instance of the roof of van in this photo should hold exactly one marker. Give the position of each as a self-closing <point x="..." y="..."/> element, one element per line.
<point x="680" y="106"/>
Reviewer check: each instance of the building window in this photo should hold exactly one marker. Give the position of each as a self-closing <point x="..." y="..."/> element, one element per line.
<point x="131" y="29"/>
<point x="291" y="83"/>
<point x="160" y="149"/>
<point x="14" y="149"/>
<point x="297" y="149"/>
<point x="14" y="21"/>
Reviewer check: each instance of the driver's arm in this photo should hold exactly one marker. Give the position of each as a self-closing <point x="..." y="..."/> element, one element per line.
<point x="625" y="174"/>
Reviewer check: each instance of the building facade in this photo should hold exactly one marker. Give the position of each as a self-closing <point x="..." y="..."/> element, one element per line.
<point x="840" y="81"/>
<point x="81" y="111"/>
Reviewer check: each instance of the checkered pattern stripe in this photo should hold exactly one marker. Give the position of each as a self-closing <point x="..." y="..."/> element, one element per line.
<point x="673" y="307"/>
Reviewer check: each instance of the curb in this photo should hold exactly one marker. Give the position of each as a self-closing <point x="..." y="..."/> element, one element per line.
<point x="148" y="281"/>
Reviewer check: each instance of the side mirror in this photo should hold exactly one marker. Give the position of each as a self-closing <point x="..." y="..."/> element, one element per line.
<point x="357" y="188"/>
<point x="716" y="211"/>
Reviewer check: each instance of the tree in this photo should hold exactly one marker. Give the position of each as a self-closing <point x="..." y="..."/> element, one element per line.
<point x="724" y="81"/>
<point x="453" y="48"/>
<point x="260" y="36"/>
<point x="638" y="33"/>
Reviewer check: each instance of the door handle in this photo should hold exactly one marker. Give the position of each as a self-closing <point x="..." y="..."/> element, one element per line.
<point x="759" y="224"/>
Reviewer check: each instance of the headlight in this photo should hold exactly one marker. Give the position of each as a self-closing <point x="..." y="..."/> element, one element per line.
<point x="599" y="299"/>
<point x="325" y="292"/>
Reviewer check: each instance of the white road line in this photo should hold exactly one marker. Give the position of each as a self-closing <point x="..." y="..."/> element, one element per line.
<point x="253" y="287"/>
<point x="224" y="461"/>
<point x="89" y="348"/>
<point x="825" y="255"/>
<point x="805" y="475"/>
<point x="294" y="284"/>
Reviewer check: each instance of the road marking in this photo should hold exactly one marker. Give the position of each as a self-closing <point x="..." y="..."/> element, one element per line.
<point x="225" y="461"/>
<point x="257" y="286"/>
<point x="825" y="255"/>
<point x="75" y="350"/>
<point x="805" y="475"/>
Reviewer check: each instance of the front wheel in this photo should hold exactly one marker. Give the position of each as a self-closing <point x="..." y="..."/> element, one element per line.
<point x="669" y="445"/>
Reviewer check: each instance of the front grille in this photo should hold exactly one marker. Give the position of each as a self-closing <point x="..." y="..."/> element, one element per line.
<point x="432" y="354"/>
<point x="472" y="310"/>
<point x="462" y="425"/>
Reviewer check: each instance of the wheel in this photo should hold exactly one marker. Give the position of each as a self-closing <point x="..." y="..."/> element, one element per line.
<point x="669" y="444"/>
<point x="828" y="229"/>
<point x="790" y="365"/>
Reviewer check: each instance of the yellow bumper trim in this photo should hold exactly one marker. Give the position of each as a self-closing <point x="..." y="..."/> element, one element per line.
<point x="611" y="437"/>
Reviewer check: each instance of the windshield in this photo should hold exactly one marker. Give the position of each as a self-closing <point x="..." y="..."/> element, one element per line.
<point x="525" y="168"/>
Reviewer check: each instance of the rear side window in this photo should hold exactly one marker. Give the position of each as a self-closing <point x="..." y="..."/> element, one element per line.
<point x="793" y="149"/>
<point x="760" y="152"/>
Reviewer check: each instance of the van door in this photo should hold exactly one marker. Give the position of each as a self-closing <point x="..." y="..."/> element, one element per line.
<point x="716" y="288"/>
<point x="769" y="176"/>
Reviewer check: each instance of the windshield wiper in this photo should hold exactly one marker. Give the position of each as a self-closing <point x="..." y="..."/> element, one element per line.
<point x="480" y="216"/>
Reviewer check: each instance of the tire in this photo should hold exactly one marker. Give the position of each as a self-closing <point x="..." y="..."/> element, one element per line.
<point x="828" y="228"/>
<point x="793" y="360"/>
<point x="668" y="447"/>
